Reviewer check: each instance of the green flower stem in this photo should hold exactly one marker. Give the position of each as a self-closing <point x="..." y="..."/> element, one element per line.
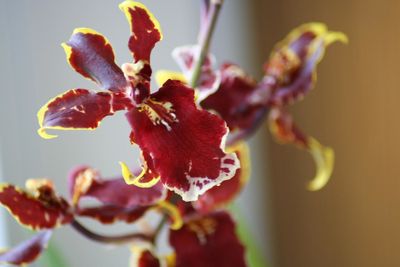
<point x="205" y="40"/>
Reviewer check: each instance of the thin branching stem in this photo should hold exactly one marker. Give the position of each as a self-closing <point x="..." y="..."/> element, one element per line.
<point x="119" y="239"/>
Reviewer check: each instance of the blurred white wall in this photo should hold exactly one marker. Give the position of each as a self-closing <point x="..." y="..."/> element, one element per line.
<point x="33" y="69"/>
<point x="3" y="229"/>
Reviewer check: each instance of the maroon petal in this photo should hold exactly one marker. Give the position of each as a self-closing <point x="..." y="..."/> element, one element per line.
<point x="41" y="212"/>
<point x="27" y="251"/>
<point x="91" y="54"/>
<point x="145" y="30"/>
<point x="186" y="144"/>
<point x="78" y="109"/>
<point x="239" y="101"/>
<point x="147" y="259"/>
<point x="219" y="196"/>
<point x="286" y="132"/>
<point x="145" y="33"/>
<point x="293" y="63"/>
<point x="208" y="241"/>
<point x="108" y="214"/>
<point x="87" y="183"/>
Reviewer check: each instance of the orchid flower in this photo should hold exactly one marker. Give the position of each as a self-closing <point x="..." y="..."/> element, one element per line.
<point x="182" y="145"/>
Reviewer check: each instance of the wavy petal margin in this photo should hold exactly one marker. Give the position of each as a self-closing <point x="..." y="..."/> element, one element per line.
<point x="185" y="144"/>
<point x="285" y="131"/>
<point x="27" y="251"/>
<point x="219" y="196"/>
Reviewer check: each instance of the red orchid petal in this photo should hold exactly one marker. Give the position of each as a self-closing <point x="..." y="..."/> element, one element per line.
<point x="209" y="80"/>
<point x="145" y="30"/>
<point x="109" y="214"/>
<point x="294" y="61"/>
<point x="185" y="143"/>
<point x="115" y="191"/>
<point x="143" y="255"/>
<point x="79" y="181"/>
<point x="286" y="132"/>
<point x="237" y="102"/>
<point x="34" y="213"/>
<point x="91" y="54"/>
<point x="147" y="259"/>
<point x="27" y="251"/>
<point x="78" y="109"/>
<point x="145" y="33"/>
<point x="208" y="241"/>
<point x="219" y="196"/>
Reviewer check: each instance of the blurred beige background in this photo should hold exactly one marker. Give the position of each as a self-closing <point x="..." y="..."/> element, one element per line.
<point x="355" y="220"/>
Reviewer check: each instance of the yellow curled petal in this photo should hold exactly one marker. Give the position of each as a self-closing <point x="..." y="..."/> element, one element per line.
<point x="164" y="75"/>
<point x="324" y="158"/>
<point x="131" y="179"/>
<point x="173" y="212"/>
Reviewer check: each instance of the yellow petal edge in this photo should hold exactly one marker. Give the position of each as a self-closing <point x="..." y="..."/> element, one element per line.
<point x="164" y="75"/>
<point x="42" y="129"/>
<point x="128" y="4"/>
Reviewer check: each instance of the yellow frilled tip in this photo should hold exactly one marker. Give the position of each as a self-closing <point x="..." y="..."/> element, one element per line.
<point x="173" y="212"/>
<point x="324" y="158"/>
<point x="319" y="29"/>
<point x="131" y="179"/>
<point x="129" y="4"/>
<point x="2" y="186"/>
<point x="164" y="75"/>
<point x="42" y="133"/>
<point x="33" y="184"/>
<point x="85" y="31"/>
